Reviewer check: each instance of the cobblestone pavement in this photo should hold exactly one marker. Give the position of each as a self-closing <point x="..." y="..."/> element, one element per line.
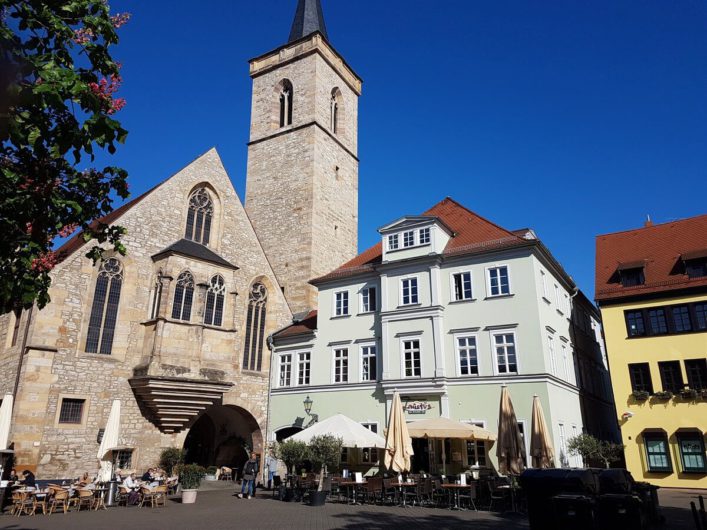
<point x="215" y="510"/>
<point x="218" y="509"/>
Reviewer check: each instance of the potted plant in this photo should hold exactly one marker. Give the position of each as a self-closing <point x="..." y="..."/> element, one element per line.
<point x="640" y="395"/>
<point x="211" y="473"/>
<point x="688" y="393"/>
<point x="171" y="457"/>
<point x="324" y="452"/>
<point x="292" y="453"/>
<point x="190" y="476"/>
<point x="663" y="395"/>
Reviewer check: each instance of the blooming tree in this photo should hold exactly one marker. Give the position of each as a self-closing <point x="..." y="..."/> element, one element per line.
<point x="58" y="100"/>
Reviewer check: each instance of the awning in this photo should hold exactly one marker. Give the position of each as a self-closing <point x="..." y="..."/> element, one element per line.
<point x="446" y="428"/>
<point x="116" y="449"/>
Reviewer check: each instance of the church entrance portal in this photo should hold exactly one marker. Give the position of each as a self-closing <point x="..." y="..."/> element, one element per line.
<point x="223" y="436"/>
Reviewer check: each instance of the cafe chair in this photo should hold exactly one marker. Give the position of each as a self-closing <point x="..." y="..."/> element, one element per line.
<point x="21" y="503"/>
<point x="468" y="495"/>
<point x="59" y="499"/>
<point x="85" y="498"/>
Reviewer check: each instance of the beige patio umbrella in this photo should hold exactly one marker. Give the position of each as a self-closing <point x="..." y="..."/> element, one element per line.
<point x="5" y="417"/>
<point x="509" y="448"/>
<point x="109" y="442"/>
<point x="541" y="450"/>
<point x="398" y="444"/>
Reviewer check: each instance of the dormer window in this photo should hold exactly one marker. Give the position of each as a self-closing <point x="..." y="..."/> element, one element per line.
<point x="393" y="242"/>
<point x="424" y="235"/>
<point x="409" y="239"/>
<point x="696" y="268"/>
<point x="631" y="274"/>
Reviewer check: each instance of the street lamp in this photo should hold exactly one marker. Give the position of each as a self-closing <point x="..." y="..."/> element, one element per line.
<point x="308" y="405"/>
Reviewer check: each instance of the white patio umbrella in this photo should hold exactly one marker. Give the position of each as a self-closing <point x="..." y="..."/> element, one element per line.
<point x="109" y="441"/>
<point x="5" y="417"/>
<point x="352" y="433"/>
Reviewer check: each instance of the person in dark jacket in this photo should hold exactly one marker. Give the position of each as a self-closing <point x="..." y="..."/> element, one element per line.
<point x="28" y="480"/>
<point x="250" y="472"/>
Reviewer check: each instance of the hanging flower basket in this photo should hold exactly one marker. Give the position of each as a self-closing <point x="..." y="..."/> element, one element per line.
<point x="688" y="393"/>
<point x="640" y="395"/>
<point x="663" y="395"/>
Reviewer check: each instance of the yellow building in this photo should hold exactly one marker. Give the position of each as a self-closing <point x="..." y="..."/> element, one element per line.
<point x="651" y="287"/>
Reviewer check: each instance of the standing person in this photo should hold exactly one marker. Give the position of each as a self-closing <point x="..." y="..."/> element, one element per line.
<point x="250" y="472"/>
<point x="270" y="467"/>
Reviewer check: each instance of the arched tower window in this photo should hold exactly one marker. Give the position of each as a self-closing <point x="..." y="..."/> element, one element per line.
<point x="156" y="296"/>
<point x="183" y="297"/>
<point x="104" y="312"/>
<point x="201" y="209"/>
<point x="286" y="94"/>
<point x="215" y="296"/>
<point x="255" y="328"/>
<point x="335" y="110"/>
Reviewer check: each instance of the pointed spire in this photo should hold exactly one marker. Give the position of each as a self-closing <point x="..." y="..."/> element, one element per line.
<point x="308" y="19"/>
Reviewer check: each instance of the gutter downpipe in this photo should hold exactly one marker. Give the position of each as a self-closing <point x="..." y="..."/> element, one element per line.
<point x="23" y="352"/>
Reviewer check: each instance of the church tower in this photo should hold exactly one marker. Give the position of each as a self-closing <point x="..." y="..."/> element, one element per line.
<point x="302" y="181"/>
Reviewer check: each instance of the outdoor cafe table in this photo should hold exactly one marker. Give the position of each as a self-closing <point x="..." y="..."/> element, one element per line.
<point x="400" y="486"/>
<point x="99" y="496"/>
<point x="455" y="489"/>
<point x="350" y="484"/>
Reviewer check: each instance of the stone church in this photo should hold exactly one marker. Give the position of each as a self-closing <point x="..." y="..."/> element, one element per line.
<point x="177" y="329"/>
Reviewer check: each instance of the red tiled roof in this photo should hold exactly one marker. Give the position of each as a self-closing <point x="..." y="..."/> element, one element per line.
<point x="306" y="325"/>
<point x="472" y="234"/>
<point x="76" y="241"/>
<point x="660" y="248"/>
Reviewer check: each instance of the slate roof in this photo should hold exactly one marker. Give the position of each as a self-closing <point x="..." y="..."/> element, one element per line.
<point x="307" y="325"/>
<point x="309" y="19"/>
<point x="660" y="249"/>
<point x="192" y="249"/>
<point x="473" y="234"/>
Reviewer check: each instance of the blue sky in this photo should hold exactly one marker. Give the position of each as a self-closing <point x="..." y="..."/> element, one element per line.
<point x="572" y="118"/>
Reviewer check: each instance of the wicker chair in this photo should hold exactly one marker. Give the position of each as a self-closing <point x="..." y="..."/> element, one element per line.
<point x="21" y="503"/>
<point x="122" y="498"/>
<point x="85" y="498"/>
<point x="60" y="498"/>
<point x="40" y="502"/>
<point x="147" y="495"/>
<point x="160" y="495"/>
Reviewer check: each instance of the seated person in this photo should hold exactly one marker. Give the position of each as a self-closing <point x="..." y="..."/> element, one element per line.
<point x="84" y="480"/>
<point x="13" y="476"/>
<point x="28" y="480"/>
<point x="131" y="482"/>
<point x="147" y="476"/>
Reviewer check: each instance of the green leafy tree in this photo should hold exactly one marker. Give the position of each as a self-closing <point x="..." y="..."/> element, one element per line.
<point x="171" y="458"/>
<point x="592" y="449"/>
<point x="324" y="452"/>
<point x="58" y="101"/>
<point x="292" y="453"/>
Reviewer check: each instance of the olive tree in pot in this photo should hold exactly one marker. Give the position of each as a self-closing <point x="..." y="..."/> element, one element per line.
<point x="170" y="458"/>
<point x="324" y="452"/>
<point x="292" y="453"/>
<point x="190" y="476"/>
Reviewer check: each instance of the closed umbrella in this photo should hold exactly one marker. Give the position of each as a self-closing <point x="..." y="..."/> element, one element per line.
<point x="398" y="444"/>
<point x="109" y="441"/>
<point x="5" y="417"/>
<point x="509" y="447"/>
<point x="541" y="450"/>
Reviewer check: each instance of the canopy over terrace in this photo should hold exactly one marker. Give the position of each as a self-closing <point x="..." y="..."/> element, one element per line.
<point x="442" y="428"/>
<point x="352" y="433"/>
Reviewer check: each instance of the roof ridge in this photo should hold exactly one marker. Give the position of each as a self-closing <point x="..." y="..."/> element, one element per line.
<point x="450" y="199"/>
<point x="654" y="225"/>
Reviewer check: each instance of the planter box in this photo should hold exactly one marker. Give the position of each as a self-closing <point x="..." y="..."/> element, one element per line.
<point x="210" y="478"/>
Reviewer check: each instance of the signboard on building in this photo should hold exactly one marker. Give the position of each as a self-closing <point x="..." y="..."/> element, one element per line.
<point x="417" y="407"/>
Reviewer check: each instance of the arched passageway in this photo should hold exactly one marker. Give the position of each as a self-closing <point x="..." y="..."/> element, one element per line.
<point x="223" y="436"/>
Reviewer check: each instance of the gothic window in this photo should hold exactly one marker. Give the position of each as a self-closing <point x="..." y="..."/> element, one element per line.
<point x="183" y="297"/>
<point x="335" y="110"/>
<point x="215" y="296"/>
<point x="104" y="312"/>
<point x="156" y="296"/>
<point x="255" y="328"/>
<point x="201" y="210"/>
<point x="286" y="103"/>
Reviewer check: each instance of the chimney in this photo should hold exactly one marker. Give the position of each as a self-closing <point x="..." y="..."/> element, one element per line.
<point x="648" y="221"/>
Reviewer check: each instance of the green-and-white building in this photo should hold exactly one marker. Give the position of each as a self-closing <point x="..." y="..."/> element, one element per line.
<point x="446" y="309"/>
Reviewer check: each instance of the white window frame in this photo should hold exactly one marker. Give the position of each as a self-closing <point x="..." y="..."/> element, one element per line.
<point x="393" y="238"/>
<point x="458" y="355"/>
<point x="405" y="234"/>
<point x="361" y="358"/>
<point x="333" y="365"/>
<point x="563" y="445"/>
<point x="403" y="340"/>
<point x="565" y="360"/>
<point x="488" y="281"/>
<point x="566" y="303"/>
<point x="553" y="360"/>
<point x="345" y="295"/>
<point x="402" y="290"/>
<point x="482" y="424"/>
<point x="280" y="365"/>
<point x="299" y="354"/>
<point x="452" y="286"/>
<point x="366" y="291"/>
<point x="426" y="230"/>
<point x="367" y="425"/>
<point x="492" y="336"/>
<point x="543" y="283"/>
